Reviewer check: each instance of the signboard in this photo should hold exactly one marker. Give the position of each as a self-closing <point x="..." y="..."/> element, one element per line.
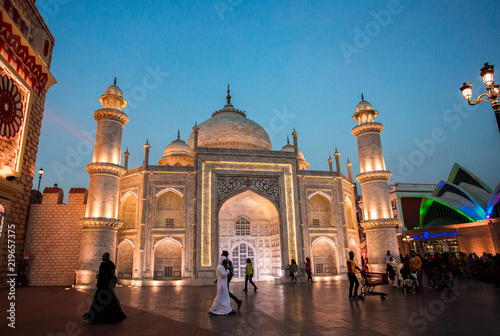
<point x="435" y="235"/>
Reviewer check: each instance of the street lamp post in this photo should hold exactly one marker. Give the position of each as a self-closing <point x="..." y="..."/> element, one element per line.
<point x="40" y="173"/>
<point x="492" y="91"/>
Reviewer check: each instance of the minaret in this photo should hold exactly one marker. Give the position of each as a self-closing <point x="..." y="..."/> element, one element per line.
<point x="101" y="221"/>
<point x="380" y="227"/>
<point x="337" y="160"/>
<point x="349" y="169"/>
<point x="126" y="154"/>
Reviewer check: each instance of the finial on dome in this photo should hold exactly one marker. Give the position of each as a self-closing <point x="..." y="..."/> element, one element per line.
<point x="362" y="98"/>
<point x="126" y="151"/>
<point x="228" y="97"/>
<point x="178" y="134"/>
<point x="348" y="161"/>
<point x="115" y="81"/>
<point x="287" y="140"/>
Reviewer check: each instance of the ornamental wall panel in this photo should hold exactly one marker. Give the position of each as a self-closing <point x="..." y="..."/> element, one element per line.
<point x="208" y="206"/>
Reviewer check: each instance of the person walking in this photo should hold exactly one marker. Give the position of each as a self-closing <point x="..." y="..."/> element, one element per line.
<point x="353" y="281"/>
<point x="222" y="304"/>
<point x="229" y="277"/>
<point x="293" y="270"/>
<point x="387" y="256"/>
<point x="308" y="269"/>
<point x="249" y="275"/>
<point x="105" y="306"/>
<point x="393" y="267"/>
<point x="416" y="267"/>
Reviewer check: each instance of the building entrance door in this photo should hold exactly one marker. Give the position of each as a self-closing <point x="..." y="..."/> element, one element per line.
<point x="239" y="258"/>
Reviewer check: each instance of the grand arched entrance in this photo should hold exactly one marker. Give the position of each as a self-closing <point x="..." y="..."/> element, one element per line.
<point x="249" y="228"/>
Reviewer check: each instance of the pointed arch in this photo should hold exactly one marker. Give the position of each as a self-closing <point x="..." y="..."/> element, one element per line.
<point x="349" y="212"/>
<point x="128" y="210"/>
<point x="328" y="239"/>
<point x="322" y="193"/>
<point x="169" y="209"/>
<point x="320" y="210"/>
<point x="126" y="240"/>
<point x="168" y="239"/>
<point x="240" y="191"/>
<point x="125" y="259"/>
<point x="167" y="254"/>
<point x="128" y="193"/>
<point x="324" y="256"/>
<point x="169" y="189"/>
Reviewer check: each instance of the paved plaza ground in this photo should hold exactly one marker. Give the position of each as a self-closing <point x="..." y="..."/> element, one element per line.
<point x="299" y="309"/>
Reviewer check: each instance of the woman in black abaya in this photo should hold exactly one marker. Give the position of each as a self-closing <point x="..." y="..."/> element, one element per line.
<point x="105" y="307"/>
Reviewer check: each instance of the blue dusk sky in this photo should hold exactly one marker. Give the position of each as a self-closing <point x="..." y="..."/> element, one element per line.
<point x="301" y="64"/>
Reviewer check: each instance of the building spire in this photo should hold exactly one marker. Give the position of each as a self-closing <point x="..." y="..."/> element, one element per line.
<point x="178" y="134"/>
<point x="115" y="81"/>
<point x="362" y="98"/>
<point x="228" y="97"/>
<point x="287" y="140"/>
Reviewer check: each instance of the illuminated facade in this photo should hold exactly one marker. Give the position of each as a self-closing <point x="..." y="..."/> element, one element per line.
<point x="25" y="78"/>
<point x="225" y="189"/>
<point x="378" y="222"/>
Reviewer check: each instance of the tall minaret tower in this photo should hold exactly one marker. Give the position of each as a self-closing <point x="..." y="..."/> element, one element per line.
<point x="101" y="221"/>
<point x="380" y="227"/>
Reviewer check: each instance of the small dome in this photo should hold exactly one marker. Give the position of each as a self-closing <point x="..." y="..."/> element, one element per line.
<point x="302" y="160"/>
<point x="363" y="106"/>
<point x="114" y="90"/>
<point x="178" y="148"/>
<point x="289" y="148"/>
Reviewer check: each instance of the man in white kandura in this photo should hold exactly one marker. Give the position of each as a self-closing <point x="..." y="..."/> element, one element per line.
<point x="222" y="303"/>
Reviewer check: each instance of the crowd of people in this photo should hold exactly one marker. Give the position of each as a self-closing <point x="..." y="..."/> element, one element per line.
<point x="439" y="269"/>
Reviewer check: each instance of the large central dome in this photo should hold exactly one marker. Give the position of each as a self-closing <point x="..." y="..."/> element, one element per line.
<point x="230" y="128"/>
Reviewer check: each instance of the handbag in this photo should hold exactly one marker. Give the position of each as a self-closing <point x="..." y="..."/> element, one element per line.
<point x="295" y="274"/>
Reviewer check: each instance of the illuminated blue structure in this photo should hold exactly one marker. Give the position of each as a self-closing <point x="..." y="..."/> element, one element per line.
<point x="463" y="198"/>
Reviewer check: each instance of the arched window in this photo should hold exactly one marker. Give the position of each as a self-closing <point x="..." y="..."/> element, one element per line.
<point x="242" y="226"/>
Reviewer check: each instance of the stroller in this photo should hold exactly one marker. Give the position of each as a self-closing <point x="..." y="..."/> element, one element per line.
<point x="446" y="282"/>
<point x="370" y="281"/>
<point x="410" y="282"/>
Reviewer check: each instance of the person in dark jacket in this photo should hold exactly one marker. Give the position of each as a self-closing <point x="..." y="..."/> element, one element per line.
<point x="105" y="307"/>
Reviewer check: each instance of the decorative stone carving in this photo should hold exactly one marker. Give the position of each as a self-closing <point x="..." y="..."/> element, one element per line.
<point x="112" y="114"/>
<point x="381" y="222"/>
<point x="228" y="186"/>
<point x="11" y="108"/>
<point x="367" y="127"/>
<point x="101" y="167"/>
<point x="382" y="175"/>
<point x="101" y="222"/>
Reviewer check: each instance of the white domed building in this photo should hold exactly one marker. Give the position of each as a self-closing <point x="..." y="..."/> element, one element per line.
<point x="225" y="188"/>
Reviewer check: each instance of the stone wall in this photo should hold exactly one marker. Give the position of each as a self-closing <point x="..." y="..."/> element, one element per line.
<point x="54" y="236"/>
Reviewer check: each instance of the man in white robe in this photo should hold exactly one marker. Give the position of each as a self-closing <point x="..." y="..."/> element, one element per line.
<point x="222" y="302"/>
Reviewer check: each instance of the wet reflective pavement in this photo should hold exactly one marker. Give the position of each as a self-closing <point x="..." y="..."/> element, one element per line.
<point x="318" y="308"/>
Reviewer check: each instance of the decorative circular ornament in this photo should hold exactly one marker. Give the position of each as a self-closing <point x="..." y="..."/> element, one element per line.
<point x="11" y="108"/>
